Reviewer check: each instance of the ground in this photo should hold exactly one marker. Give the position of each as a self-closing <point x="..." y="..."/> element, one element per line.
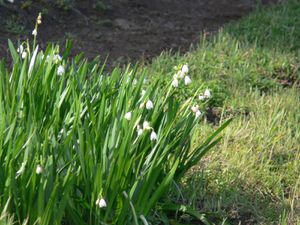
<point x="124" y="30"/>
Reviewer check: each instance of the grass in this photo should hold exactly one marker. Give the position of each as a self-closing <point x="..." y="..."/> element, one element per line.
<point x="252" y="176"/>
<point x="252" y="66"/>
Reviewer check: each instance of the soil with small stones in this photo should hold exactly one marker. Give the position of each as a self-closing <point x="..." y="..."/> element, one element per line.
<point x="123" y="30"/>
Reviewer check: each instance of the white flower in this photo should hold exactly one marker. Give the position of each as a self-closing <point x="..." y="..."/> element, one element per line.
<point x="139" y="130"/>
<point x="39" y="169"/>
<point x="146" y="125"/>
<point x="207" y="93"/>
<point x="201" y="97"/>
<point x="128" y="116"/>
<point x="198" y="114"/>
<point x="24" y="55"/>
<point x="149" y="105"/>
<point x="180" y="74"/>
<point x="20" y="49"/>
<point x="143" y="92"/>
<point x="142" y="105"/>
<point x="175" y="83"/>
<point x="153" y="136"/>
<point x="187" y="80"/>
<point x="60" y="70"/>
<point x="11" y="1"/>
<point x="185" y="69"/>
<point x="101" y="203"/>
<point x="34" y="32"/>
<point x="57" y="58"/>
<point x="195" y="108"/>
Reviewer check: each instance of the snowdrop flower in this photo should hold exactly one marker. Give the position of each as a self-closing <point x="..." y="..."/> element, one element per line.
<point x="20" y="49"/>
<point x="39" y="169"/>
<point x="175" y="83"/>
<point x="185" y="69"/>
<point x="60" y="70"/>
<point x="153" y="136"/>
<point x="11" y="1"/>
<point x="146" y="125"/>
<point x="128" y="116"/>
<point x="198" y="114"/>
<point x="149" y="105"/>
<point x="101" y="203"/>
<point x="143" y="92"/>
<point x="195" y="108"/>
<point x="24" y="55"/>
<point x="57" y="58"/>
<point x="187" y="80"/>
<point x="207" y="93"/>
<point x="180" y="74"/>
<point x="139" y="130"/>
<point x="142" y="105"/>
<point x="201" y="97"/>
<point x="34" y="32"/>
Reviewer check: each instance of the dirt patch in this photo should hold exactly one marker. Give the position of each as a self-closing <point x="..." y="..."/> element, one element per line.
<point x="124" y="30"/>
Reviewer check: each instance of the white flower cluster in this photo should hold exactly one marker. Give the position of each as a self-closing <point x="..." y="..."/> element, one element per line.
<point x="181" y="74"/>
<point x="196" y="111"/>
<point x="205" y="95"/>
<point x="146" y="126"/>
<point x="22" y="51"/>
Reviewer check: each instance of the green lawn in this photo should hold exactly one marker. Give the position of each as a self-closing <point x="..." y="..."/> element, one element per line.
<point x="252" y="66"/>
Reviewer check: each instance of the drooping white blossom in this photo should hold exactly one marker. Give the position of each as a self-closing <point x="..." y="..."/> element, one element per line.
<point x="201" y="97"/>
<point x="60" y="70"/>
<point x="149" y="105"/>
<point x="39" y="169"/>
<point x="101" y="203"/>
<point x="34" y="32"/>
<point x="185" y="69"/>
<point x="153" y="136"/>
<point x="187" y="80"/>
<point x="146" y="125"/>
<point x="207" y="93"/>
<point x="128" y="116"/>
<point x="175" y="83"/>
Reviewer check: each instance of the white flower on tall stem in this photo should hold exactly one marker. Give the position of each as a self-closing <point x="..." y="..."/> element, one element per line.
<point x="201" y="97"/>
<point x="139" y="130"/>
<point x="175" y="82"/>
<point x="24" y="55"/>
<point x="207" y="93"/>
<point x="60" y="70"/>
<point x="143" y="92"/>
<point x="39" y="169"/>
<point x="187" y="80"/>
<point x="20" y="49"/>
<point x="153" y="136"/>
<point x="198" y="113"/>
<point x="195" y="108"/>
<point x="128" y="116"/>
<point x="185" y="69"/>
<point x="101" y="203"/>
<point x="146" y="125"/>
<point x="149" y="105"/>
<point x="34" y="32"/>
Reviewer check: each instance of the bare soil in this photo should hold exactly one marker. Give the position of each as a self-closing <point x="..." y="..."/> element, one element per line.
<point x="123" y="30"/>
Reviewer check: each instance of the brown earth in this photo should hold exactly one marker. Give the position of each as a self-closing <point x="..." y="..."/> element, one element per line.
<point x="121" y="29"/>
